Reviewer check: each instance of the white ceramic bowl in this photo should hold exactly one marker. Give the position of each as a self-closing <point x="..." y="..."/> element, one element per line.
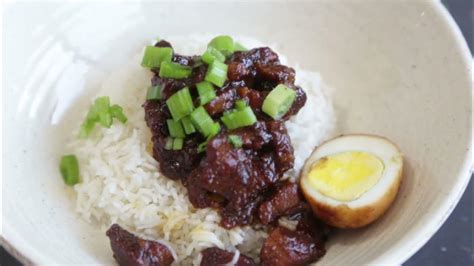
<point x="401" y="69"/>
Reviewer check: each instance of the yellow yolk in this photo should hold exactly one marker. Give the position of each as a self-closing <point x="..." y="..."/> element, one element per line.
<point x="345" y="176"/>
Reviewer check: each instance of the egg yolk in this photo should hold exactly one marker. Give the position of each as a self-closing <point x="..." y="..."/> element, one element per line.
<point x="345" y="176"/>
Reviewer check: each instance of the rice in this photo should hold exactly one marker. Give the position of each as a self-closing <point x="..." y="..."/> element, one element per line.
<point x="120" y="182"/>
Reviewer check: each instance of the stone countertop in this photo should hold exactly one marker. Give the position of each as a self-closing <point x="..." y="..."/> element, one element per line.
<point x="453" y="243"/>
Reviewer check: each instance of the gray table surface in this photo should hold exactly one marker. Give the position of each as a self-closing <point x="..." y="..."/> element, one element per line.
<point x="453" y="243"/>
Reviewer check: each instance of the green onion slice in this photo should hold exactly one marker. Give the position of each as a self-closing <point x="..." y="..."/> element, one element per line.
<point x="180" y="104"/>
<point x="101" y="112"/>
<point x="212" y="54"/>
<point x="175" y="128"/>
<point x="278" y="101"/>
<point x="174" y="70"/>
<point x="197" y="61"/>
<point x="177" y="144"/>
<point x="69" y="168"/>
<point x="217" y="73"/>
<point x="153" y="93"/>
<point x="240" y="104"/>
<point x="223" y="43"/>
<point x="203" y="122"/>
<point x="239" y="47"/>
<point x="235" y="140"/>
<point x="214" y="129"/>
<point x="239" y="118"/>
<point x="102" y="106"/>
<point x="169" y="144"/>
<point x="93" y="114"/>
<point x="154" y="56"/>
<point x="206" y="92"/>
<point x="117" y="112"/>
<point x="188" y="125"/>
<point x="105" y="119"/>
<point x="202" y="147"/>
<point x="89" y="123"/>
<point x="86" y="128"/>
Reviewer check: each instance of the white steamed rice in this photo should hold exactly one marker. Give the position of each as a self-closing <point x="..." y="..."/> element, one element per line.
<point x="120" y="182"/>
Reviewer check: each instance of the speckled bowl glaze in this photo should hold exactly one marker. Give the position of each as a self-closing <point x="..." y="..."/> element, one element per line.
<point x="400" y="69"/>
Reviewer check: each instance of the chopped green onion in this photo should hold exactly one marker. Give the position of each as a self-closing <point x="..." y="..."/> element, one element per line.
<point x="169" y="144"/>
<point x="202" y="147"/>
<point x="93" y="114"/>
<point x="103" y="104"/>
<point x="223" y="43"/>
<point x="175" y="128"/>
<point x="212" y="54"/>
<point x="101" y="112"/>
<point x="206" y="92"/>
<point x="86" y="128"/>
<point x="217" y="73"/>
<point x="278" y="101"/>
<point x="180" y="104"/>
<point x="197" y="61"/>
<point x="228" y="122"/>
<point x="153" y="93"/>
<point x="239" y="118"/>
<point x="154" y="56"/>
<point x="239" y="47"/>
<point x="240" y="104"/>
<point x="188" y="125"/>
<point x="69" y="168"/>
<point x="214" y="129"/>
<point x="89" y="123"/>
<point x="203" y="122"/>
<point x="177" y="144"/>
<point x="117" y="112"/>
<point x="174" y="70"/>
<point x="235" y="140"/>
<point x="105" y="119"/>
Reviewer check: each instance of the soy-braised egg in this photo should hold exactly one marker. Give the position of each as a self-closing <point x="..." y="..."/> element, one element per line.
<point x="351" y="180"/>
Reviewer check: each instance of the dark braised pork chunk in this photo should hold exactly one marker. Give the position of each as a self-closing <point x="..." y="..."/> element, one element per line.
<point x="216" y="257"/>
<point x="163" y="43"/>
<point x="281" y="201"/>
<point x="309" y="224"/>
<point x="170" y="86"/>
<point x="281" y="146"/>
<point x="175" y="164"/>
<point x="242" y="65"/>
<point x="278" y="74"/>
<point x="240" y="177"/>
<point x="130" y="250"/>
<point x="224" y="101"/>
<point x="302" y="246"/>
<point x="284" y="247"/>
<point x="299" y="102"/>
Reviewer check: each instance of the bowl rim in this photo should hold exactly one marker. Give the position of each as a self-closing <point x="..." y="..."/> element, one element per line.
<point x="467" y="169"/>
<point x="19" y="247"/>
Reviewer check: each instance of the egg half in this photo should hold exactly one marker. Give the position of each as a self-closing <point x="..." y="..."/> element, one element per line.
<point x="351" y="180"/>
